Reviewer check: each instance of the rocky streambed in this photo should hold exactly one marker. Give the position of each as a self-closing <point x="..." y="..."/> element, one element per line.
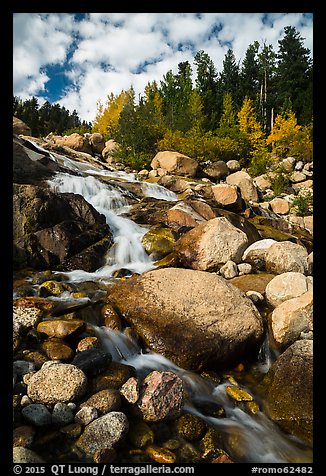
<point x="156" y="323"/>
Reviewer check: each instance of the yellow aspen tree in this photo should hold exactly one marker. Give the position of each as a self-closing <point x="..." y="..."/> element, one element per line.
<point x="284" y="134"/>
<point x="250" y="126"/>
<point x="107" y="117"/>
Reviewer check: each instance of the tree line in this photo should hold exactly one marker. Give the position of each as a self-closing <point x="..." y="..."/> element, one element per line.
<point x="48" y="118"/>
<point x="246" y="111"/>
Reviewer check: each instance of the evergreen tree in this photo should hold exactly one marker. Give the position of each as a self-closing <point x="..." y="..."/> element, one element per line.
<point x="207" y="87"/>
<point x="267" y="67"/>
<point x="294" y="73"/>
<point x="249" y="73"/>
<point x="230" y="77"/>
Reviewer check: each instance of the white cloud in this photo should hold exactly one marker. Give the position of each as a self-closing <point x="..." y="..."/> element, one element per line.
<point x="111" y="48"/>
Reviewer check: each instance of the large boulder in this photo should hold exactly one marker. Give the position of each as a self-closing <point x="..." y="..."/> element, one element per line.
<point x="20" y="128"/>
<point x="246" y="185"/>
<point x="289" y="390"/>
<point x="286" y="256"/>
<point x="211" y="244"/>
<point x="175" y="163"/>
<point x="291" y="318"/>
<point x="216" y="170"/>
<point x="29" y="164"/>
<point x="57" y="230"/>
<point x="286" y="286"/>
<point x="110" y="147"/>
<point x="97" y="142"/>
<point x="192" y="317"/>
<point x="74" y="141"/>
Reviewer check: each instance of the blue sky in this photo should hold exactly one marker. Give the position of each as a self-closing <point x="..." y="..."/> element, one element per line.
<point x="78" y="59"/>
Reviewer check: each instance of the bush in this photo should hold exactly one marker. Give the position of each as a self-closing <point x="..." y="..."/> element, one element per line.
<point x="260" y="163"/>
<point x="280" y="183"/>
<point x="302" y="204"/>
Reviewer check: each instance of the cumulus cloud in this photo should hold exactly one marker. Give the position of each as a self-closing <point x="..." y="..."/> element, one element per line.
<point x="102" y="53"/>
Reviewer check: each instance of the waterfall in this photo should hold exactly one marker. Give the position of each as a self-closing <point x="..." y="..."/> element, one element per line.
<point x="127" y="250"/>
<point x="258" y="439"/>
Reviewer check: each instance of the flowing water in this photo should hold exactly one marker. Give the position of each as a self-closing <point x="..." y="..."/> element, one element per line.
<point x="247" y="437"/>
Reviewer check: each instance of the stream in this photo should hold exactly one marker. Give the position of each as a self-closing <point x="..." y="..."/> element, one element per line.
<point x="257" y="438"/>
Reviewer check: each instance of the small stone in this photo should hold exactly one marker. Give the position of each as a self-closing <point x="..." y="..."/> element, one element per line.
<point x="141" y="435"/>
<point x="86" y="415"/>
<point x="92" y="361"/>
<point x="73" y="430"/>
<point x="131" y="390"/>
<point x="255" y="296"/>
<point x="104" y="401"/>
<point x="25" y="400"/>
<point x="190" y="427"/>
<point x="104" y="455"/>
<point x="26" y="317"/>
<point x="244" y="268"/>
<point x="57" y="349"/>
<point x="23" y="436"/>
<point x="88" y="343"/>
<point x="37" y="414"/>
<point x="25" y="455"/>
<point x="62" y="415"/>
<point x="114" y="377"/>
<point x="61" y="328"/>
<point x="239" y="394"/>
<point x="252" y="407"/>
<point x="50" y="288"/>
<point x="21" y="367"/>
<point x="229" y="270"/>
<point x="160" y="455"/>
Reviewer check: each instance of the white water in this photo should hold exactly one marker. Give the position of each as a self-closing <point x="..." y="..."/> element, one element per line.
<point x="256" y="438"/>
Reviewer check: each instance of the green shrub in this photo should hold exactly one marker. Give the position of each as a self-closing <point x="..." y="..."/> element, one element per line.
<point x="280" y="183"/>
<point x="260" y="163"/>
<point x="302" y="204"/>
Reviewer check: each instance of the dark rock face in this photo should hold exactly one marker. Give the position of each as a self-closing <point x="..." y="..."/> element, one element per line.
<point x="58" y="230"/>
<point x="289" y="390"/>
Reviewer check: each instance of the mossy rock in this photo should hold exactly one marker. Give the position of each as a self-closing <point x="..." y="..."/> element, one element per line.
<point x="190" y="427"/>
<point x="141" y="435"/>
<point x="50" y="288"/>
<point x="238" y="394"/>
<point x="159" y="241"/>
<point x="210" y="444"/>
<point x="160" y="455"/>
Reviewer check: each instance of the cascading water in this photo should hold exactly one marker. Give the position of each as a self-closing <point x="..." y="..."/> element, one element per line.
<point x="257" y="438"/>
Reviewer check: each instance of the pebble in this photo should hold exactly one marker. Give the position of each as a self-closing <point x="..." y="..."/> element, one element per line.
<point x="62" y="415"/>
<point x="25" y="455"/>
<point x="160" y="455"/>
<point x="92" y="361"/>
<point x="239" y="394"/>
<point x="104" y="401"/>
<point x="37" y="414"/>
<point x="86" y="415"/>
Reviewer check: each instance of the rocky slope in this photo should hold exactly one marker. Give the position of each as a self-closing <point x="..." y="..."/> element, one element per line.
<point x="227" y="265"/>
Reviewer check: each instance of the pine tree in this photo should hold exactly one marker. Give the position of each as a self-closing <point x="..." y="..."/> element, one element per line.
<point x="207" y="87"/>
<point x="230" y="77"/>
<point x="294" y="73"/>
<point x="249" y="73"/>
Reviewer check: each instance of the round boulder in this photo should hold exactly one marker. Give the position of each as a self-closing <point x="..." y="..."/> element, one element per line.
<point x="286" y="286"/>
<point x="191" y="317"/>
<point x="56" y="382"/>
<point x="289" y="390"/>
<point x="286" y="256"/>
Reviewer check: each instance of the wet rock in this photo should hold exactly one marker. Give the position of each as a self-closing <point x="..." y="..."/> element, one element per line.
<point x="85" y="415"/>
<point x="114" y="377"/>
<point x="141" y="435"/>
<point x="291" y="318"/>
<point x="25" y="318"/>
<point x="61" y="328"/>
<point x="62" y="415"/>
<point x="37" y="414"/>
<point x="210" y="444"/>
<point x="159" y="241"/>
<point x="216" y="321"/>
<point x="21" y="367"/>
<point x="92" y="361"/>
<point x="161" y="396"/>
<point x="104" y="401"/>
<point x="289" y="390"/>
<point x="160" y="455"/>
<point x="57" y="382"/>
<point x="23" y="436"/>
<point x="37" y="358"/>
<point x="131" y="390"/>
<point x="25" y="455"/>
<point x="238" y="394"/>
<point x="57" y="349"/>
<point x="51" y="229"/>
<point x="50" y="288"/>
<point x="286" y="256"/>
<point x="286" y="286"/>
<point x="73" y="430"/>
<point x="223" y="458"/>
<point x="104" y="432"/>
<point x="88" y="343"/>
<point x="252" y="282"/>
<point x="212" y="244"/>
<point x="190" y="427"/>
<point x="110" y="318"/>
<point x="105" y="455"/>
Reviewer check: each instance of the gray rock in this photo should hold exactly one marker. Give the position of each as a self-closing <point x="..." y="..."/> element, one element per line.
<point x="104" y="432"/>
<point x="25" y="317"/>
<point x="37" y="414"/>
<point x="62" y="414"/>
<point x="22" y="367"/>
<point x="229" y="270"/>
<point x="286" y="286"/>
